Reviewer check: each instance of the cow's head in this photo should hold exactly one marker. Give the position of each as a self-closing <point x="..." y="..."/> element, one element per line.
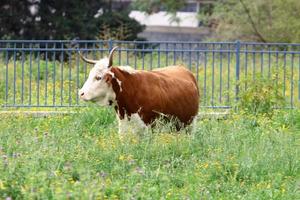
<point x="98" y="88"/>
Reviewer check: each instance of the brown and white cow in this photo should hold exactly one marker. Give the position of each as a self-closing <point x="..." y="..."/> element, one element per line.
<point x="140" y="97"/>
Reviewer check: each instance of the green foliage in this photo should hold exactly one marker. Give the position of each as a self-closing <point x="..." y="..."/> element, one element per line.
<point x="45" y="69"/>
<point x="62" y="19"/>
<point x="51" y="19"/>
<point x="81" y="156"/>
<point x="261" y="96"/>
<point x="264" y="21"/>
<point x="248" y="20"/>
<point x="122" y="27"/>
<point x="205" y="13"/>
<point x="154" y="6"/>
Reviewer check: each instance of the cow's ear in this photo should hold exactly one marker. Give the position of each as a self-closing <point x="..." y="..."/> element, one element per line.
<point x="108" y="79"/>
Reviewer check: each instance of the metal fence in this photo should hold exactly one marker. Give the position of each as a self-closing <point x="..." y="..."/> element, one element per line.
<point x="48" y="73"/>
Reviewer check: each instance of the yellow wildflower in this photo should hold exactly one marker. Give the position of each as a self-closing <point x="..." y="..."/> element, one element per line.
<point x="2" y="187"/>
<point x="121" y="157"/>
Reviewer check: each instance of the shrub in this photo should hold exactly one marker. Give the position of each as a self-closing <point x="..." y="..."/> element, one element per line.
<point x="261" y="96"/>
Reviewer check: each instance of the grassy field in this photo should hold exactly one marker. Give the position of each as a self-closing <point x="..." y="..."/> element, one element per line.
<point x="80" y="156"/>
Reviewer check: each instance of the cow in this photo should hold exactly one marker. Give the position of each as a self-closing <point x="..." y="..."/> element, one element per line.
<point x="140" y="97"/>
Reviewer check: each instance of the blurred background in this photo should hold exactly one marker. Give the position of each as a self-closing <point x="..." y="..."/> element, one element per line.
<point x="165" y="20"/>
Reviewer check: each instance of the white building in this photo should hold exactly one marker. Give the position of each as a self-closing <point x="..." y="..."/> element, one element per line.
<point x="162" y="26"/>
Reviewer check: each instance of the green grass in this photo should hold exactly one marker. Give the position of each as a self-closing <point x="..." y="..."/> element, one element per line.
<point x="81" y="156"/>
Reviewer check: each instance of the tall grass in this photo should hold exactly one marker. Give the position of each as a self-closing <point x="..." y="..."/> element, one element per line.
<point x="81" y="156"/>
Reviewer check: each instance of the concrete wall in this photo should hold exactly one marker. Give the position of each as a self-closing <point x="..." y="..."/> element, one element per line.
<point x="161" y="33"/>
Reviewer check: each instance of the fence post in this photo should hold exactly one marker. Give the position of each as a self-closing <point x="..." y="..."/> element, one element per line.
<point x="110" y="45"/>
<point x="237" y="69"/>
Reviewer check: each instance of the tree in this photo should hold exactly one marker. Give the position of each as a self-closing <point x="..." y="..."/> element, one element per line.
<point x="153" y="6"/>
<point x="63" y="19"/>
<point x="48" y="19"/>
<point x="121" y="28"/>
<point x="256" y="20"/>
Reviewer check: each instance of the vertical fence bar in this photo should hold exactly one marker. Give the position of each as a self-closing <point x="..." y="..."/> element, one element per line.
<point x="143" y="57"/>
<point x="269" y="62"/>
<point x="22" y="74"/>
<point x="174" y="54"/>
<point x="246" y="65"/>
<point x="135" y="53"/>
<point x="237" y="69"/>
<point x="253" y="64"/>
<point x="205" y="77"/>
<point x="54" y="73"/>
<point x="221" y="73"/>
<point x="190" y="56"/>
<point x="70" y="77"/>
<point x="151" y="59"/>
<point x="167" y="54"/>
<point x="30" y="72"/>
<point x="3" y="59"/>
<point x="38" y="78"/>
<point x="292" y="81"/>
<point x="262" y="63"/>
<point x="61" y="74"/>
<point x="85" y="64"/>
<point x="298" y="76"/>
<point x="158" y="58"/>
<point x="77" y="77"/>
<point x="102" y="47"/>
<point x="94" y="52"/>
<point x="110" y="45"/>
<point x="46" y="74"/>
<point x="15" y="74"/>
<point x="6" y="77"/>
<point x="213" y="77"/>
<point x="228" y="76"/>
<point x="119" y="54"/>
<point x="197" y="65"/>
<point x="127" y="54"/>
<point x="182" y="51"/>
<point x="284" y="73"/>
<point x="277" y="71"/>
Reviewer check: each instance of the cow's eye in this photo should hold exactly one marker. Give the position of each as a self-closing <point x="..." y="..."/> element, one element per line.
<point x="98" y="78"/>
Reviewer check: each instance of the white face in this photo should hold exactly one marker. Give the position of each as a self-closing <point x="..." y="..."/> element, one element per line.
<point x="95" y="88"/>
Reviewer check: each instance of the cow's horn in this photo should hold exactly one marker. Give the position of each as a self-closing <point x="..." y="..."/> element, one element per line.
<point x="86" y="59"/>
<point x="110" y="57"/>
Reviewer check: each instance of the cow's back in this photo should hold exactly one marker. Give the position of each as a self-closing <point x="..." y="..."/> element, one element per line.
<point x="179" y="72"/>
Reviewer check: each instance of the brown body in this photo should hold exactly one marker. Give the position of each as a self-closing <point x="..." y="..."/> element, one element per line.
<point x="170" y="91"/>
